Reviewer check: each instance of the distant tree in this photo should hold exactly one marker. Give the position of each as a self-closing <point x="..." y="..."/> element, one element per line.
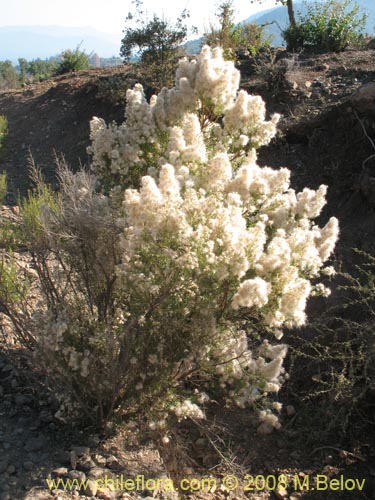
<point x="23" y="65"/>
<point x="223" y="36"/>
<point x="8" y="75"/>
<point x="41" y="69"/>
<point x="234" y="37"/>
<point x="73" y="60"/>
<point x="156" y="42"/>
<point x="110" y="61"/>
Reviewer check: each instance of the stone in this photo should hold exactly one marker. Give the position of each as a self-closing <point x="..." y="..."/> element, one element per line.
<point x="100" y="460"/>
<point x="281" y="494"/>
<point x="3" y="465"/>
<point x="106" y="494"/>
<point x="60" y="472"/>
<point x="23" y="399"/>
<point x="73" y="459"/>
<point x="113" y="463"/>
<point x="99" y="473"/>
<point x="11" y="469"/>
<point x="34" y="444"/>
<point x="364" y="98"/>
<point x="28" y="465"/>
<point x="91" y="488"/>
<point x="77" y="474"/>
<point x="86" y="465"/>
<point x="371" y="44"/>
<point x="14" y="383"/>
<point x="290" y="410"/>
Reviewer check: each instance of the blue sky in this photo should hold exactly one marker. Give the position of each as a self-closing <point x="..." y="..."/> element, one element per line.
<point x="109" y="15"/>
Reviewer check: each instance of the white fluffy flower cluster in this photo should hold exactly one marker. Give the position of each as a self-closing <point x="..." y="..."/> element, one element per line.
<point x="245" y="373"/>
<point x="187" y="409"/>
<point x="209" y="240"/>
<point x="246" y="227"/>
<point x="174" y="125"/>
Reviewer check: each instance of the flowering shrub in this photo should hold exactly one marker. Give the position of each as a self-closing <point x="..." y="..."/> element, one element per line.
<point x="173" y="264"/>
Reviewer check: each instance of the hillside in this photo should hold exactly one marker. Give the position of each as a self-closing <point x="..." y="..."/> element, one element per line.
<point x="326" y="135"/>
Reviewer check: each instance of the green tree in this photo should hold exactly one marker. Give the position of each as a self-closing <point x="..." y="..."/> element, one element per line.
<point x="40" y="69"/>
<point x="73" y="60"/>
<point x="8" y="75"/>
<point x="329" y="26"/>
<point x="234" y="37"/>
<point x="23" y="65"/>
<point x="156" y="42"/>
<point x="225" y="35"/>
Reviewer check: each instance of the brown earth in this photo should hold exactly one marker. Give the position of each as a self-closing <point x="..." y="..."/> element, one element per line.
<point x="327" y="135"/>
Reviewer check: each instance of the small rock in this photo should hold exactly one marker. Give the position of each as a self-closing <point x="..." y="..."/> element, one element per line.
<point x="28" y="465"/>
<point x="100" y="460"/>
<point x="73" y="459"/>
<point x="281" y="494"/>
<point x="23" y="399"/>
<point x="371" y="45"/>
<point x="364" y="98"/>
<point x="77" y="474"/>
<point x="60" y="472"/>
<point x="3" y="465"/>
<point x="14" y="383"/>
<point x="113" y="463"/>
<point x="106" y="493"/>
<point x="11" y="469"/>
<point x="46" y="416"/>
<point x="5" y="496"/>
<point x="99" y="473"/>
<point x="91" y="488"/>
<point x="86" y="465"/>
<point x="290" y="410"/>
<point x="34" y="444"/>
<point x="93" y="441"/>
<point x="308" y="84"/>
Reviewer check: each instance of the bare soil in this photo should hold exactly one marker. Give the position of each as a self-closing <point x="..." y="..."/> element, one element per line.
<point x="325" y="137"/>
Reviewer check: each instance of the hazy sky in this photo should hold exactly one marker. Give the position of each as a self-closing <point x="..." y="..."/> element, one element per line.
<point x="109" y="15"/>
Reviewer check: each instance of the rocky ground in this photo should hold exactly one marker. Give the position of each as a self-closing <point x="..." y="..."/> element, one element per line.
<point x="327" y="103"/>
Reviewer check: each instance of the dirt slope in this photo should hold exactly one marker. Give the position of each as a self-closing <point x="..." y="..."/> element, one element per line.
<point x="52" y="117"/>
<point x="325" y="137"/>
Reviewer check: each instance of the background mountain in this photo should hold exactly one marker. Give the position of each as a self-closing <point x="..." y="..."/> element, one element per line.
<point x="32" y="42"/>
